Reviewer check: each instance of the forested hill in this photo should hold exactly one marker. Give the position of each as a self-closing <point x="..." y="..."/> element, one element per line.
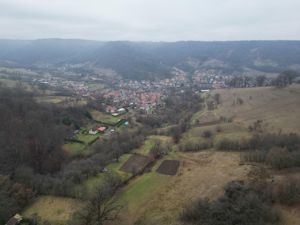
<point x="147" y="60"/>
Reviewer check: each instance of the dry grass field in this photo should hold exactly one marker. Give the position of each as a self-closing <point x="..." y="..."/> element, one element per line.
<point x="104" y="117"/>
<point x="290" y="215"/>
<point x="56" y="210"/>
<point x="202" y="174"/>
<point x="279" y="108"/>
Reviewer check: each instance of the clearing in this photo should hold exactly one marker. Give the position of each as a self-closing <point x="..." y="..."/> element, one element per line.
<point x="149" y="143"/>
<point x="56" y="210"/>
<point x="104" y="117"/>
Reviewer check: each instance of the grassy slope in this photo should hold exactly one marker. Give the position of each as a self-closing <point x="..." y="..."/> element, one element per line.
<point x="157" y="199"/>
<point x="74" y="148"/>
<point x="116" y="166"/>
<point x="149" y="143"/>
<point x="106" y="118"/>
<point x="204" y="174"/>
<point x="56" y="210"/>
<point x="52" y="99"/>
<point x="279" y="107"/>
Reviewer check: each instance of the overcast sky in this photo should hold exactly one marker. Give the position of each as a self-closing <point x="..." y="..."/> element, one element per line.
<point x="151" y="20"/>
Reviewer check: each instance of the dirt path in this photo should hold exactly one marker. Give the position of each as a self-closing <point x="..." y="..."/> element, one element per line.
<point x="201" y="175"/>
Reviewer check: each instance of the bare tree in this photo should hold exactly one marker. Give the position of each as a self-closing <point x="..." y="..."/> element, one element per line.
<point x="100" y="207"/>
<point x="260" y="80"/>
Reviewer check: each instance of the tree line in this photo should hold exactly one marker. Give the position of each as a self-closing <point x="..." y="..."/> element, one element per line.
<point x="283" y="79"/>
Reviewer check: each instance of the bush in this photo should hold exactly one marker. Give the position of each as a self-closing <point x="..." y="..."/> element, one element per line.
<point x="240" y="205"/>
<point x="254" y="156"/>
<point x="239" y="101"/>
<point x="279" y="158"/>
<point x="218" y="129"/>
<point x="13" y="197"/>
<point x="194" y="145"/>
<point x="267" y="141"/>
<point x="287" y="191"/>
<point x="232" y="144"/>
<point x="207" y="134"/>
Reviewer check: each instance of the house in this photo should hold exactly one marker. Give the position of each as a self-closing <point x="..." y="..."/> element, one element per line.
<point x="93" y="131"/>
<point x="14" y="220"/>
<point x="204" y="90"/>
<point x="101" y="129"/>
<point x="121" y="110"/>
<point x="110" y="109"/>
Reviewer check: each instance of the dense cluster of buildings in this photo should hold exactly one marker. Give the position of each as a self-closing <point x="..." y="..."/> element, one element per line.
<point x="144" y="95"/>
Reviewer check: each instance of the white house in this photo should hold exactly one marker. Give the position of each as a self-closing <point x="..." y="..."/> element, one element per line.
<point x="93" y="132"/>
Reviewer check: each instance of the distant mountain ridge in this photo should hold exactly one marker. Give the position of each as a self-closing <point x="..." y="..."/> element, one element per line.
<point x="150" y="60"/>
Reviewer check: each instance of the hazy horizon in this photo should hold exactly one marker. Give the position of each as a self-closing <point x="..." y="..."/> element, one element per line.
<point x="158" y="21"/>
<point x="145" y="41"/>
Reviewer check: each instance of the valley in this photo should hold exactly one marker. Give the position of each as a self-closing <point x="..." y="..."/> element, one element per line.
<point x="155" y="198"/>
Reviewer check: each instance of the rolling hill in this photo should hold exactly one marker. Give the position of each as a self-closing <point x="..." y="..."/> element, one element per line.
<point x="151" y="60"/>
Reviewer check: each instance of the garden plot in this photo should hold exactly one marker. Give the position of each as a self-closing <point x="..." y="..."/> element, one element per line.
<point x="136" y="164"/>
<point x="168" y="167"/>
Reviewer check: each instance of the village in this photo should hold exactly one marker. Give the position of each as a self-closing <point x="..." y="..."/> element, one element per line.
<point x="144" y="94"/>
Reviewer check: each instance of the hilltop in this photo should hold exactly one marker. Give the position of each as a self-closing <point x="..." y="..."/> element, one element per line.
<point x="152" y="60"/>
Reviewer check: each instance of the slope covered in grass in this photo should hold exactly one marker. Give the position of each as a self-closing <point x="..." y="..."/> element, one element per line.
<point x="277" y="107"/>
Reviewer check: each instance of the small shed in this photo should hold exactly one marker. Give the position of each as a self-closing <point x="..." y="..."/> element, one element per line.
<point x="93" y="131"/>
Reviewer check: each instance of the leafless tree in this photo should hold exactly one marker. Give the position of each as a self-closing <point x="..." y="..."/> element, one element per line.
<point x="100" y="207"/>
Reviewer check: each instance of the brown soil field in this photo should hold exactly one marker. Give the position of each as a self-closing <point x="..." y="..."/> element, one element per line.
<point x="168" y="167"/>
<point x="136" y="164"/>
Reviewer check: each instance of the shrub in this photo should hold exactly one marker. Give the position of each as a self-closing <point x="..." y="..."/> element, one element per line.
<point x="239" y="101"/>
<point x="232" y="144"/>
<point x="287" y="191"/>
<point x="218" y="129"/>
<point x="278" y="158"/>
<point x="254" y="156"/>
<point x="240" y="205"/>
<point x="194" y="145"/>
<point x="207" y="134"/>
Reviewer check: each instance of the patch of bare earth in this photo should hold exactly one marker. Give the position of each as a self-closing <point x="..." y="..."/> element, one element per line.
<point x="136" y="164"/>
<point x="201" y="175"/>
<point x="168" y="167"/>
